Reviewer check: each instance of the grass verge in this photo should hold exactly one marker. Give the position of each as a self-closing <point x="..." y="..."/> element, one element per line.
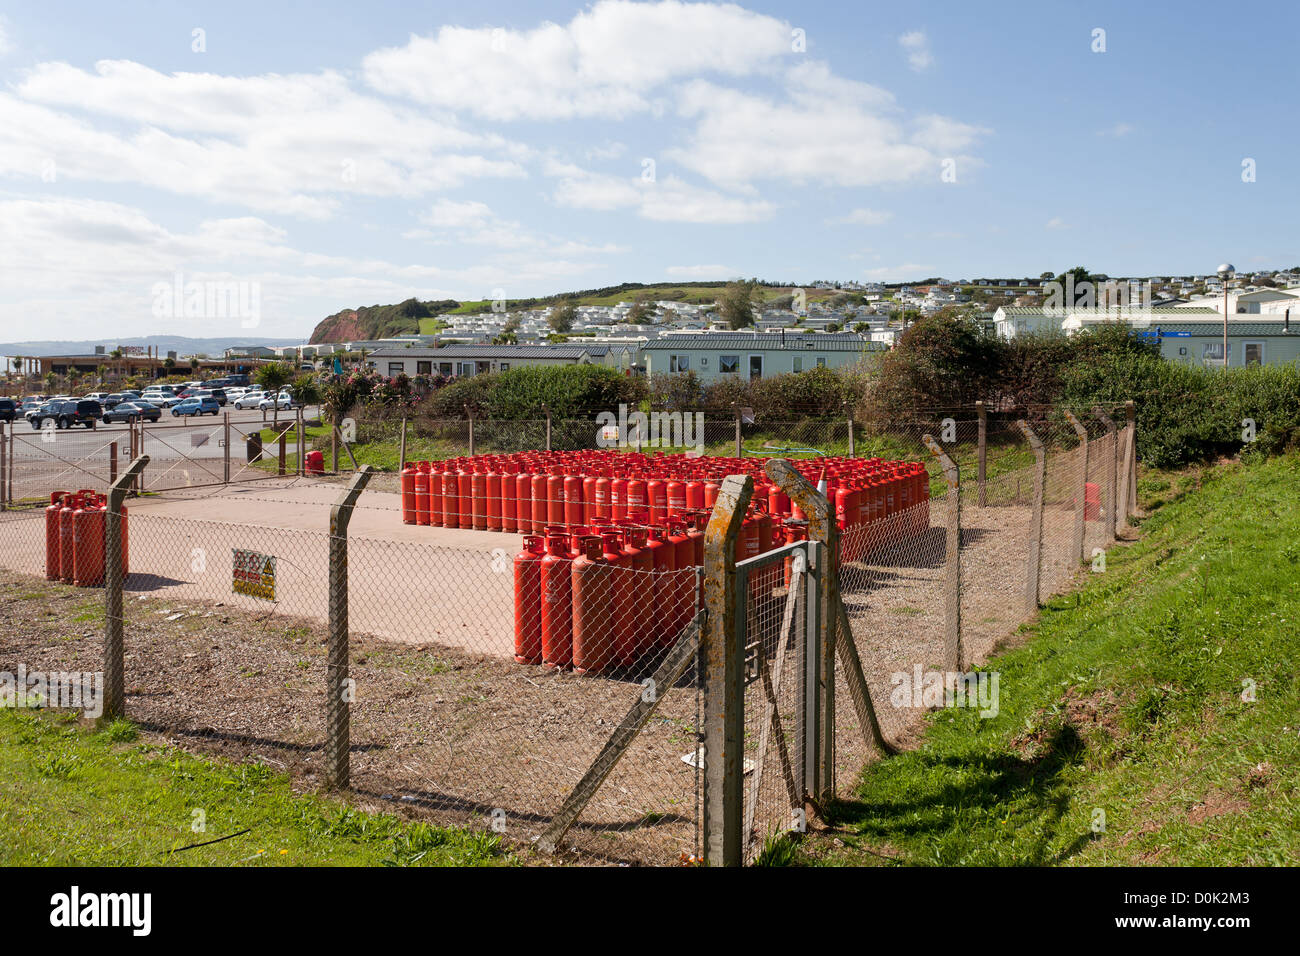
<point x="1150" y="719"/>
<point x="75" y="797"/>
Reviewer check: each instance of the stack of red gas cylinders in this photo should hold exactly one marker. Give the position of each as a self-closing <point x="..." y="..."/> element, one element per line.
<point x="876" y="502"/>
<point x="74" y="538"/>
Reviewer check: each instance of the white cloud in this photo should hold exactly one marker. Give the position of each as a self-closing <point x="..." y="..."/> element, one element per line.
<point x="447" y="213"/>
<point x="699" y="272"/>
<point x="293" y="144"/>
<point x="917" y="46"/>
<point x="1118" y="130"/>
<point x="909" y="270"/>
<point x="825" y="131"/>
<point x="605" y="62"/>
<point x="863" y="217"/>
<point x="1056" y="222"/>
<point x="667" y="199"/>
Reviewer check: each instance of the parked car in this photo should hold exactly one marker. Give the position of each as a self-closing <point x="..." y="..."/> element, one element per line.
<point x="220" y="395"/>
<point x="250" y="400"/>
<point x="281" y="401"/>
<point x="9" y="410"/>
<point x="196" y="406"/>
<point x="66" y="414"/>
<point x="132" y="412"/>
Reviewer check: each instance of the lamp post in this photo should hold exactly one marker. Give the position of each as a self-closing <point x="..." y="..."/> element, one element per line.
<point x="1226" y="271"/>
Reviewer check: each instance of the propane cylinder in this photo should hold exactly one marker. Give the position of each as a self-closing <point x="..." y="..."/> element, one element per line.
<point x="478" y="504"/>
<point x="694" y="494"/>
<point x="555" y="497"/>
<point x="593" y="624"/>
<point x="492" y="492"/>
<point x="421" y="492"/>
<point x="537" y="494"/>
<point x="695" y="526"/>
<point x="656" y="492"/>
<point x="408" y="494"/>
<point x="711" y="489"/>
<point x="636" y="497"/>
<point x="450" y="496"/>
<point x="682" y="606"/>
<point x="435" y="494"/>
<point x="557" y="604"/>
<point x="638" y="638"/>
<point x="52" y="547"/>
<point x="88" y="544"/>
<point x="509" y="502"/>
<point x="676" y="496"/>
<point x="603" y="507"/>
<point x="662" y="610"/>
<point x="589" y="499"/>
<point x="524" y="501"/>
<point x="528" y="601"/>
<point x="778" y="502"/>
<point x="573" y="501"/>
<point x="618" y="498"/>
<point x="70" y="504"/>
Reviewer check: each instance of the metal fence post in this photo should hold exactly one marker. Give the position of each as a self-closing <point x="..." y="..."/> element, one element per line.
<point x="952" y="582"/>
<point x="401" y="451"/>
<point x="338" y="688"/>
<point x="723" y="657"/>
<point x="547" y="409"/>
<point x="740" y="442"/>
<point x="225" y="442"/>
<point x="1111" y="474"/>
<point x="1081" y="487"/>
<point x="1130" y="479"/>
<point x="982" y="469"/>
<point x="114" y="585"/>
<point x="301" y="443"/>
<point x="852" y="438"/>
<point x="4" y="464"/>
<point x="1034" y="562"/>
<point x="469" y="413"/>
<point x="824" y="619"/>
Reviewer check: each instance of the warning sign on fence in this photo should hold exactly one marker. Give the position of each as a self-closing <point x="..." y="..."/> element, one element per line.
<point x="254" y="574"/>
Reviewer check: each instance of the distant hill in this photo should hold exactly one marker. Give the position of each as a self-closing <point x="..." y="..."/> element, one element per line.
<point x="379" y="321"/>
<point x="163" y="343"/>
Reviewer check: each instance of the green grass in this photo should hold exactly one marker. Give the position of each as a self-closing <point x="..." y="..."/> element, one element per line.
<point x="1125" y="707"/>
<point x="102" y="798"/>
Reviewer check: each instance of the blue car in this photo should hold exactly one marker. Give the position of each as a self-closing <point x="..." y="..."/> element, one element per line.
<point x="196" y="406"/>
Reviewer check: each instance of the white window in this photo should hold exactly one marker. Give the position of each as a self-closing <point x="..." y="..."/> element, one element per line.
<point x="798" y="363"/>
<point x="1213" y="354"/>
<point x="679" y="363"/>
<point x="755" y="366"/>
<point x="396" y="368"/>
<point x="1253" y="352"/>
<point x="821" y="361"/>
<point x="505" y="366"/>
<point x="729" y="363"/>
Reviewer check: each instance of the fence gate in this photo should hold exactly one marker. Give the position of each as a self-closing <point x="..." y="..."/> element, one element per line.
<point x="213" y="451"/>
<point x="779" y="634"/>
<point x="35" y="462"/>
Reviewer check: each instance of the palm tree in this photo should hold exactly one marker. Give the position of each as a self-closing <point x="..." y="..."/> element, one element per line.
<point x="272" y="377"/>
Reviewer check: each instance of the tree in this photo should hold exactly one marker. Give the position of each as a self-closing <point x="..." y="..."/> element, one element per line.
<point x="738" y="302"/>
<point x="273" y="376"/>
<point x="562" y="316"/>
<point x="640" y="313"/>
<point x="194" y="364"/>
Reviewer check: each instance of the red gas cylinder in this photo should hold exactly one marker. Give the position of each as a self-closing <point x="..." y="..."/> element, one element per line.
<point x="663" y="562"/>
<point x="421" y="491"/>
<point x="593" y="624"/>
<point x="636" y="497"/>
<point x="52" y="548"/>
<point x="315" y="463"/>
<point x="795" y="530"/>
<point x="408" y="494"/>
<point x="70" y="504"/>
<point x="694" y="494"/>
<point x="88" y="544"/>
<point x="656" y="493"/>
<point x="589" y="498"/>
<point x="778" y="503"/>
<point x="676" y="496"/>
<point x="539" y="502"/>
<point x="524" y="502"/>
<point x="681" y="607"/>
<point x="450" y="496"/>
<point x="618" y="498"/>
<point x="557" y="604"/>
<point x="528" y="601"/>
<point x="695" y="526"/>
<point x="478" y="496"/>
<point x="711" y="489"/>
<point x="509" y="501"/>
<point x="603" y="507"/>
<point x="636" y="636"/>
<point x="573" y="501"/>
<point x="492" y="497"/>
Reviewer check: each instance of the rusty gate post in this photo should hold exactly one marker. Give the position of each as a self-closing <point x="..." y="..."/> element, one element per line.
<point x="740" y="442"/>
<point x="225" y="443"/>
<point x="112" y="461"/>
<point x="819" y="685"/>
<point x="114" y="584"/>
<point x="1112" y="525"/>
<point x="338" y="688"/>
<point x="952" y="582"/>
<point x="4" y="463"/>
<point x="1081" y="487"/>
<point x="280" y="468"/>
<point x="982" y="469"/>
<point x="301" y="442"/>
<point x="723" y="654"/>
<point x="1034" y="561"/>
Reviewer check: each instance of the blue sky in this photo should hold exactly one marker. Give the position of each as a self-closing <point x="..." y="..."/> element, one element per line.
<point x="344" y="154"/>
